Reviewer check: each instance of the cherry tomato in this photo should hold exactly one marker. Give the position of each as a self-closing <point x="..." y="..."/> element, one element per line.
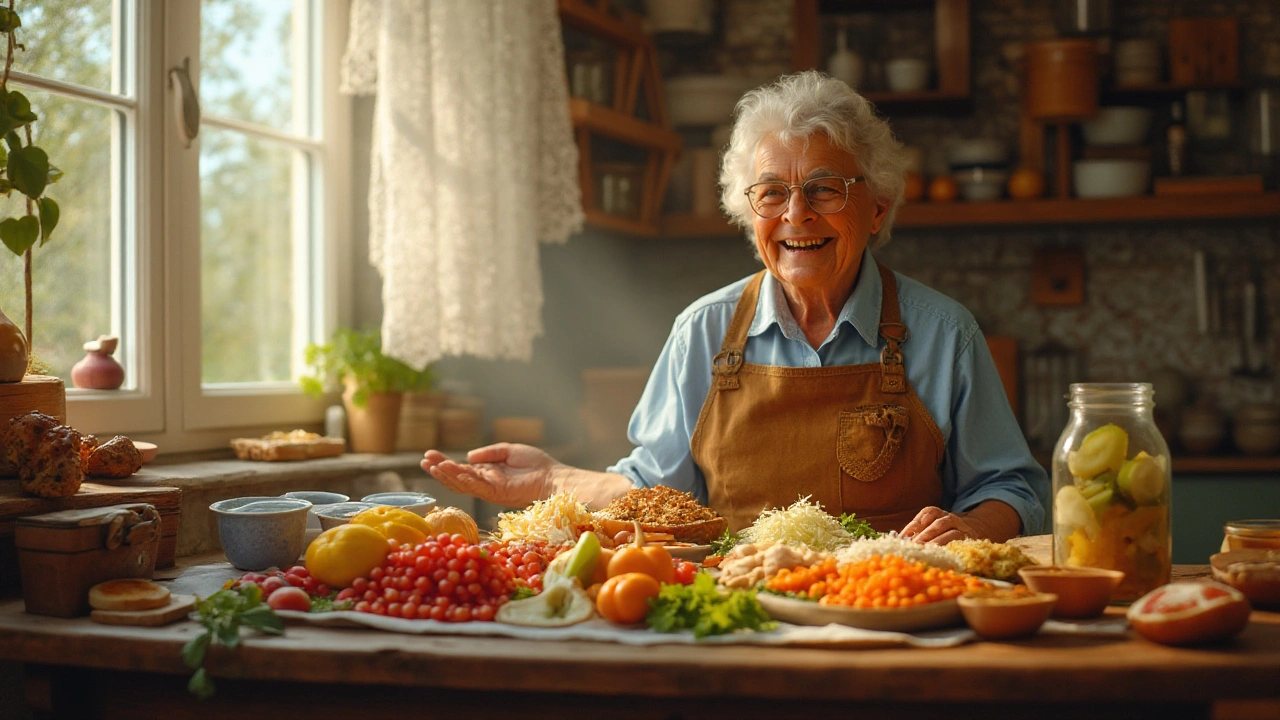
<point x="685" y="572"/>
<point x="271" y="585"/>
<point x="290" y="598"/>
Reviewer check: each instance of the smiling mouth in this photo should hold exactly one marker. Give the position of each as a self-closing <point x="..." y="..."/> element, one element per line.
<point x="802" y="244"/>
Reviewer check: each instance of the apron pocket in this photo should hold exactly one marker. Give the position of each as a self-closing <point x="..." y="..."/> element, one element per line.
<point x="868" y="438"/>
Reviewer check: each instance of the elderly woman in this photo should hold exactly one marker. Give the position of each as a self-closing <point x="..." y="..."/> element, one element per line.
<point x="826" y="374"/>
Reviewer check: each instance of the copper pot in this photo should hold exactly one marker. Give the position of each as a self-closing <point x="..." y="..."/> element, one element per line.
<point x="1062" y="79"/>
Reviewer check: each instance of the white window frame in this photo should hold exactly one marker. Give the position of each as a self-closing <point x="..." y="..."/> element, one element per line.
<point x="170" y="406"/>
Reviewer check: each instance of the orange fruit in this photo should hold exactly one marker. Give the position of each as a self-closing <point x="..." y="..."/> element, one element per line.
<point x="1187" y="613"/>
<point x="1025" y="184"/>
<point x="943" y="189"/>
<point x="913" y="191"/>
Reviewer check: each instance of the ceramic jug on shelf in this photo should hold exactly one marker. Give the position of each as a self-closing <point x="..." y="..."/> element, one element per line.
<point x="844" y="64"/>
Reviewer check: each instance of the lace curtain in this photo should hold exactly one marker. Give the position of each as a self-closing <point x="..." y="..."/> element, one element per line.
<point x="473" y="164"/>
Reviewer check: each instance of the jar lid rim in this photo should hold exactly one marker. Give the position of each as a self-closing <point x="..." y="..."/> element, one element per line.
<point x="1252" y="527"/>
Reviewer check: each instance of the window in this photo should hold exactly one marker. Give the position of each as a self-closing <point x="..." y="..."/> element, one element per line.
<point x="216" y="261"/>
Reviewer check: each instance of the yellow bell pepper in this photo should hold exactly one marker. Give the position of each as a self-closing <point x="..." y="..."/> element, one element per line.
<point x="341" y="554"/>
<point x="394" y="523"/>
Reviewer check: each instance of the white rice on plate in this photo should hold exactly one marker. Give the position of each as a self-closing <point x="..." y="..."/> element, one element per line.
<point x="892" y="544"/>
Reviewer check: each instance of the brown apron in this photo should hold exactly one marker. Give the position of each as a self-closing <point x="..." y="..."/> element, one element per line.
<point x="853" y="437"/>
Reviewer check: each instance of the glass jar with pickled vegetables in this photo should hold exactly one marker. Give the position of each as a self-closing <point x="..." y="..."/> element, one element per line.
<point x="1111" y="487"/>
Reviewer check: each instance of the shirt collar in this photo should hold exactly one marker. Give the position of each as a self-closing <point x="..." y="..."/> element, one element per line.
<point x="861" y="310"/>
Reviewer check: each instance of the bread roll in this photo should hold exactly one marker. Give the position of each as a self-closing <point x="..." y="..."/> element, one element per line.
<point x="128" y="594"/>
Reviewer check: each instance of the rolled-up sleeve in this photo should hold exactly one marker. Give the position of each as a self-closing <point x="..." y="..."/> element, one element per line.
<point x="662" y="425"/>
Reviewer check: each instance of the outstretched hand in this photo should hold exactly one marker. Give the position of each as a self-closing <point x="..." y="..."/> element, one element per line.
<point x="505" y="473"/>
<point x="935" y="525"/>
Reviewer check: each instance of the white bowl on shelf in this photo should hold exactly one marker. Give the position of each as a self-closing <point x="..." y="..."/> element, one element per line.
<point x="981" y="184"/>
<point x="1118" y="125"/>
<point x="1110" y="178"/>
<point x="906" y="74"/>
<point x="704" y="100"/>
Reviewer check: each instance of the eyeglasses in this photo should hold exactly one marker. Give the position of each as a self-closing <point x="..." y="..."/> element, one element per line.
<point x="826" y="195"/>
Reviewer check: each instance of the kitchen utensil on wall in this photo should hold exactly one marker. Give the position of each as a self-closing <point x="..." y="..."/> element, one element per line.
<point x="1061" y="88"/>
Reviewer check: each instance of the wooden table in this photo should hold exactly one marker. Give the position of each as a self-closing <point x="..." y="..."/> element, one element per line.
<point x="79" y="669"/>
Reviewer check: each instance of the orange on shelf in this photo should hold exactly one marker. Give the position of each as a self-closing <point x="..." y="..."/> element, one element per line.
<point x="943" y="189"/>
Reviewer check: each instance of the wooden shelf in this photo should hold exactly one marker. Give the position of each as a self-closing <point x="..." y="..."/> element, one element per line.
<point x="1077" y="211"/>
<point x="1033" y="212"/>
<point x="620" y="126"/>
<point x="951" y="49"/>
<point x="594" y="21"/>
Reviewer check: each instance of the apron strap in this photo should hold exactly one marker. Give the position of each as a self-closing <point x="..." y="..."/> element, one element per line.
<point x="727" y="362"/>
<point x="893" y="376"/>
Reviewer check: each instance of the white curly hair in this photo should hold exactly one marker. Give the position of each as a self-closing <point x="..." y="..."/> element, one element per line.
<point x="795" y="107"/>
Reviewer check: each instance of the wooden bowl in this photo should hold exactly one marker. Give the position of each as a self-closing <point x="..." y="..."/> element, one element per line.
<point x="1083" y="592"/>
<point x="1003" y="616"/>
<point x="147" y="449"/>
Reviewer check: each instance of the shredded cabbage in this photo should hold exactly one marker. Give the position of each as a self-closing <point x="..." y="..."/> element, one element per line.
<point x="804" y="523"/>
<point x="555" y="521"/>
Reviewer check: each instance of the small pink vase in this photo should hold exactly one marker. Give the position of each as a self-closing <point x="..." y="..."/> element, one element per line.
<point x="98" y="370"/>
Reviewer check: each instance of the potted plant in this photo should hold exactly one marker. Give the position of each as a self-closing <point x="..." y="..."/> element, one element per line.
<point x="24" y="167"/>
<point x="373" y="385"/>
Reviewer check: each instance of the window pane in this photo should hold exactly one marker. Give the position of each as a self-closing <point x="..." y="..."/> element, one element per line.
<point x="246" y="258"/>
<point x="246" y="66"/>
<point x="67" y="40"/>
<point x="71" y="275"/>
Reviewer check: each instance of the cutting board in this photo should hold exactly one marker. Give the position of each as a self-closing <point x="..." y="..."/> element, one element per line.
<point x="14" y="504"/>
<point x="179" y="607"/>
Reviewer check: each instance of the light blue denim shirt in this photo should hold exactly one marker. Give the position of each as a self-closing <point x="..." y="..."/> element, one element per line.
<point x="947" y="363"/>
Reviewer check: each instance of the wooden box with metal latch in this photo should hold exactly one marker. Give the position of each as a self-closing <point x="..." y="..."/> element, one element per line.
<point x="63" y="554"/>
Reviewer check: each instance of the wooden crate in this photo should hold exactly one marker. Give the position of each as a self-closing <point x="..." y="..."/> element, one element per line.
<point x="14" y="504"/>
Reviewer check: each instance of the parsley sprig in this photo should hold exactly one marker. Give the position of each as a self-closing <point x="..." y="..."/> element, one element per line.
<point x="701" y="607"/>
<point x="722" y="545"/>
<point x="222" y="614"/>
<point x="857" y="527"/>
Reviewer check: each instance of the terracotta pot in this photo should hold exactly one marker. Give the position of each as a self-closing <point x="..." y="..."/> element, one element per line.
<point x="1062" y="79"/>
<point x="374" y="427"/>
<point x="97" y="371"/>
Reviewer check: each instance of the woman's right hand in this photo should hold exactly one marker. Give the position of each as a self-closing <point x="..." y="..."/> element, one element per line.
<point x="505" y="473"/>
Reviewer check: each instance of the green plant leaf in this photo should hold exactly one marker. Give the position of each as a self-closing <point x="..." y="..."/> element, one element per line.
<point x="49" y="214"/>
<point x="19" y="234"/>
<point x="29" y="170"/>
<point x="193" y="651"/>
<point x="9" y="20"/>
<point x="200" y="685"/>
<point x="55" y="173"/>
<point x="12" y="139"/>
<point x="19" y="109"/>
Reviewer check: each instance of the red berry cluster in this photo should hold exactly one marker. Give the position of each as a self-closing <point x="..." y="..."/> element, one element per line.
<point x="526" y="560"/>
<point x="445" y="578"/>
